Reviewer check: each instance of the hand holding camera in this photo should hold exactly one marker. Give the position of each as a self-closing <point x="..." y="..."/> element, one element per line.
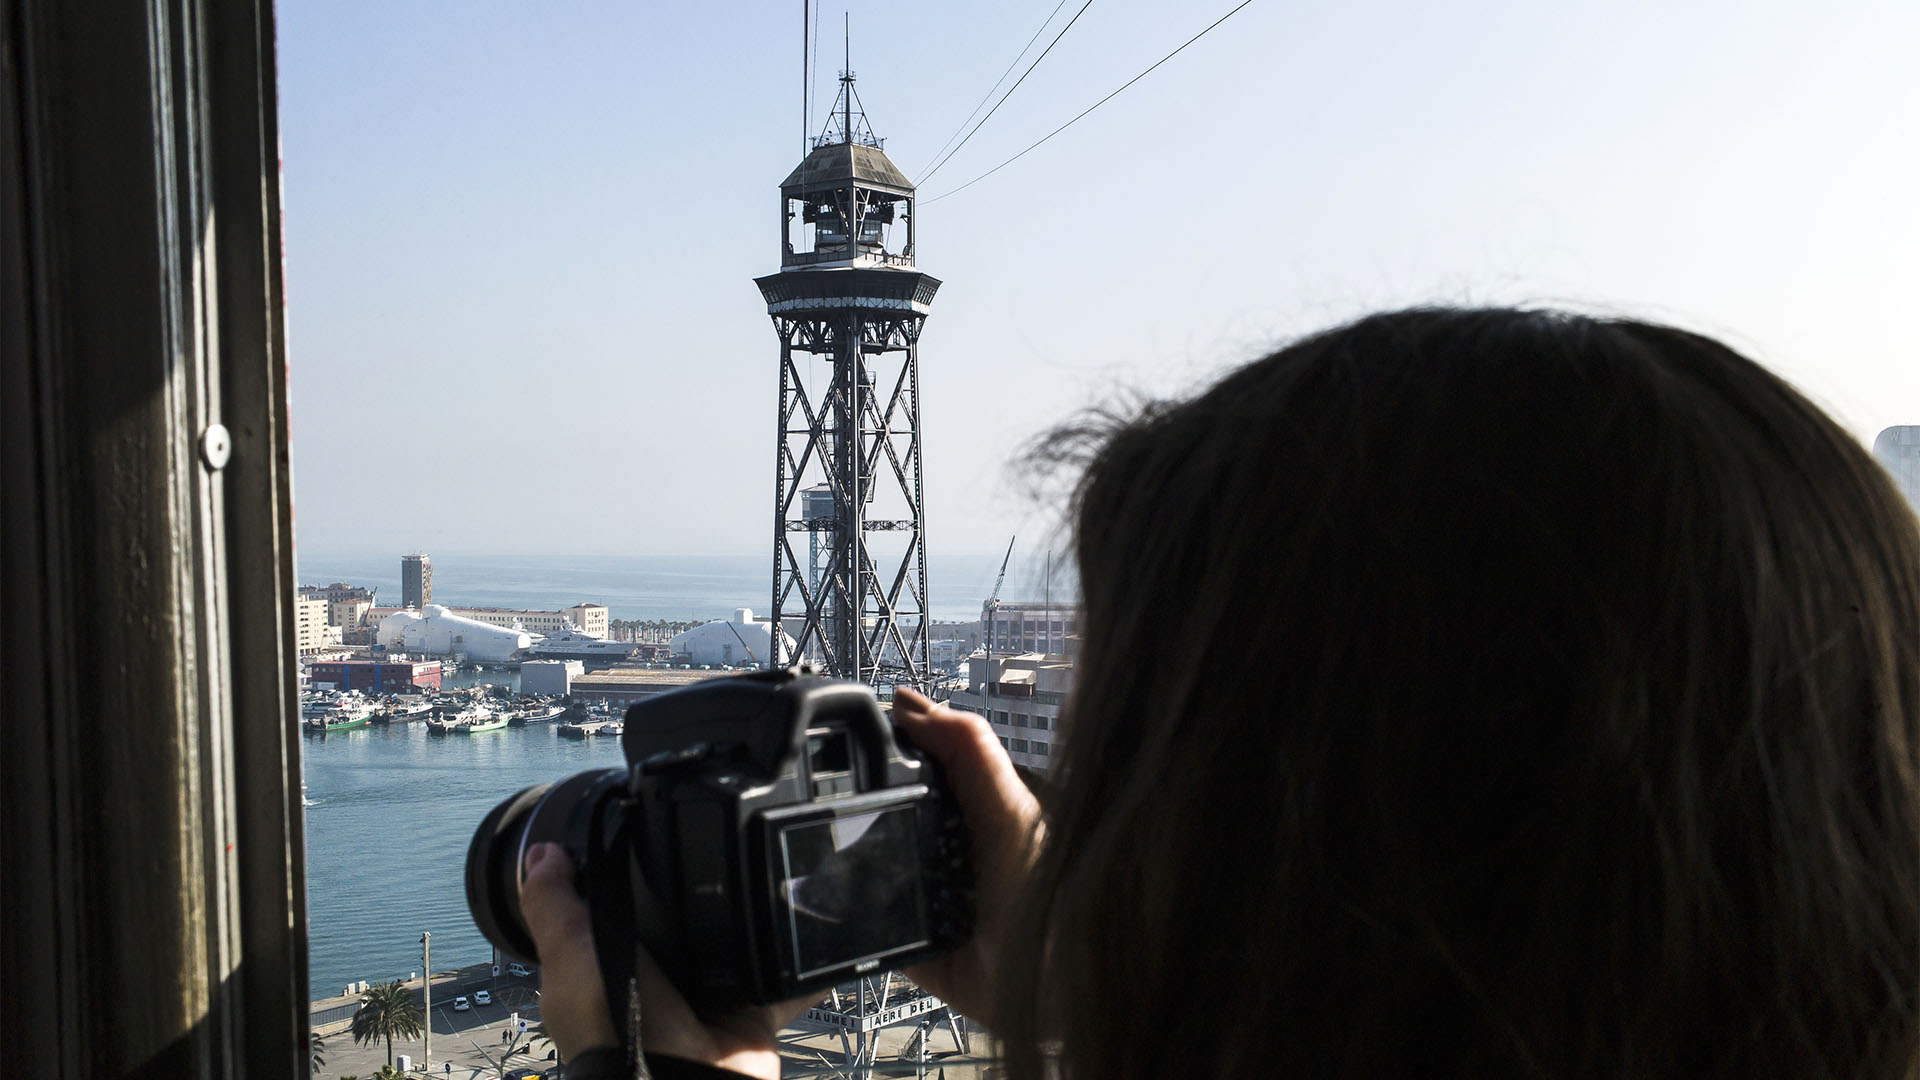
<point x="768" y="838"/>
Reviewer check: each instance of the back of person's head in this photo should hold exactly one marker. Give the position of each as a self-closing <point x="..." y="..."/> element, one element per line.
<point x="1483" y="693"/>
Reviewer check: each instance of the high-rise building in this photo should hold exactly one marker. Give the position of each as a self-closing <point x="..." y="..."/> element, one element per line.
<point x="416" y="581"/>
<point x="309" y="625"/>
<point x="347" y="604"/>
<point x="1898" y="448"/>
<point x="1032" y="626"/>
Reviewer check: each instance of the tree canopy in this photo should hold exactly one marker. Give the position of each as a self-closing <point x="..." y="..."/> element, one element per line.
<point x="387" y="1011"/>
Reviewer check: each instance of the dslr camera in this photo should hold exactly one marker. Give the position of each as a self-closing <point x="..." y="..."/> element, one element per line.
<point x="770" y="836"/>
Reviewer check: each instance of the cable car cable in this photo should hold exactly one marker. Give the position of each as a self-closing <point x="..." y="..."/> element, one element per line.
<point x="813" y="74"/>
<point x="1011" y="89"/>
<point x="996" y="83"/>
<point x="1090" y="108"/>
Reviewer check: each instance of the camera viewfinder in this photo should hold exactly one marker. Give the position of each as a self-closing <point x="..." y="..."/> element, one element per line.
<point x="830" y="761"/>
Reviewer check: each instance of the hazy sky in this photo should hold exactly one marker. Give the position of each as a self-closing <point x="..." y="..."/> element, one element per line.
<point x="521" y="237"/>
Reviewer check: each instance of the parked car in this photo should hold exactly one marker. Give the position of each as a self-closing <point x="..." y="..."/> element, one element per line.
<point x="461" y="1004"/>
<point x="481" y="997"/>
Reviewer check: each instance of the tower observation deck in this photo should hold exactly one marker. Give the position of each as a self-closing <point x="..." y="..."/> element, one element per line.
<point x="848" y="305"/>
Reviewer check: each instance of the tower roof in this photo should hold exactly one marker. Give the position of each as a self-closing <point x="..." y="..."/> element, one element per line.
<point x="836" y="163"/>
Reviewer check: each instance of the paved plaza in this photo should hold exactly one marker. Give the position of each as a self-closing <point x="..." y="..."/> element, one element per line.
<point x="460" y="1038"/>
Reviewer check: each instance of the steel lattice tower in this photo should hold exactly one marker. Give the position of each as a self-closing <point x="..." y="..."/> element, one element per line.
<point x="848" y="294"/>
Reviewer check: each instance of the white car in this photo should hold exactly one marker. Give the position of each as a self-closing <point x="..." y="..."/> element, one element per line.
<point x="519" y="969"/>
<point x="461" y="1004"/>
<point x="481" y="997"/>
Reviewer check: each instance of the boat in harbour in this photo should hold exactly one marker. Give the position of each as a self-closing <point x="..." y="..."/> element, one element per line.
<point x="573" y="730"/>
<point x="538" y="714"/>
<point x="404" y="712"/>
<point x="612" y="728"/>
<point x="345" y="715"/>
<point x="467" y="721"/>
<point x="571" y="643"/>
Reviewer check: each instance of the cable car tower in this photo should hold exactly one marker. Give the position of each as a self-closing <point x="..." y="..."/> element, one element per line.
<point x="848" y="294"/>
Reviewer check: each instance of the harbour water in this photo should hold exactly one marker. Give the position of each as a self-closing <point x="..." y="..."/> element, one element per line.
<point x="390" y="811"/>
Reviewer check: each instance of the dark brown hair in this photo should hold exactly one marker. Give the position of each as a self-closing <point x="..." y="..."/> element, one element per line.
<point x="1483" y="692"/>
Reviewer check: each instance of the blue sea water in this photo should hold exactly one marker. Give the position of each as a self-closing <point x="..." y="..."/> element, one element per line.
<point x="678" y="587"/>
<point x="390" y="811"/>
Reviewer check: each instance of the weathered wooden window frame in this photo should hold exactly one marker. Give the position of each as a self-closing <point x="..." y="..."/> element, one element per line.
<point x="152" y="899"/>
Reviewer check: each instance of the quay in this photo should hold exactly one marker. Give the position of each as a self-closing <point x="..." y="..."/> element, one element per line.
<point x="332" y="1015"/>
<point x="459" y="1038"/>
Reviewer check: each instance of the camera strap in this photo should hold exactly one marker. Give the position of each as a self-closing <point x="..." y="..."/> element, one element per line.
<point x="614" y="942"/>
<point x="636" y="1057"/>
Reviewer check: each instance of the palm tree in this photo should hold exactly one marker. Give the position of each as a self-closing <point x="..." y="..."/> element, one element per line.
<point x="387" y="1010"/>
<point x="317" y="1047"/>
<point x="538" y="1035"/>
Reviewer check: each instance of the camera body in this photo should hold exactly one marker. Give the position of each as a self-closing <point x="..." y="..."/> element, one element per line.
<point x="769" y="837"/>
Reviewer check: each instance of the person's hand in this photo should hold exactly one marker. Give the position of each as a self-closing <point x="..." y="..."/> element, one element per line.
<point x="573" y="998"/>
<point x="1003" y="825"/>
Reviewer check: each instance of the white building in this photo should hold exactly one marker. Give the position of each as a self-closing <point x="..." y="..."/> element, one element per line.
<point x="550" y="677"/>
<point x="587" y="618"/>
<point x="436" y="631"/>
<point x="1898" y="448"/>
<point x="347" y="614"/>
<point x="309" y="625"/>
<point x="1021" y="696"/>
<point x="742" y="639"/>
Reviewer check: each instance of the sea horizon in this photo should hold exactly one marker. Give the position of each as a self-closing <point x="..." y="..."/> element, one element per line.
<point x="693" y="587"/>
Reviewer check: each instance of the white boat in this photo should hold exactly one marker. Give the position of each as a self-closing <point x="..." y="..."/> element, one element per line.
<point x="405" y="712"/>
<point x="467" y="721"/>
<point x="612" y="728"/>
<point x="572" y="643"/>
<point x="318" y="703"/>
<point x="538" y="714"/>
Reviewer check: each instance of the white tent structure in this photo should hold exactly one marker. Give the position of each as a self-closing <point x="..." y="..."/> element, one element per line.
<point x="742" y="639"/>
<point x="435" y="631"/>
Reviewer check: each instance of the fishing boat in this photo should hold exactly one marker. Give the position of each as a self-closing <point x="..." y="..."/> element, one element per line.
<point x="484" y="720"/>
<point x="613" y="728"/>
<point x="538" y="714"/>
<point x="461" y="722"/>
<point x="317" y="703"/>
<point x="404" y="712"/>
<point x="345" y="715"/>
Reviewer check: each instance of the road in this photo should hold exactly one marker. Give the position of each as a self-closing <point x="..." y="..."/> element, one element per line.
<point x="458" y="1037"/>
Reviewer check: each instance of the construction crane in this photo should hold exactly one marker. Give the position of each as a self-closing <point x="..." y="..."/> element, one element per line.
<point x="993" y="607"/>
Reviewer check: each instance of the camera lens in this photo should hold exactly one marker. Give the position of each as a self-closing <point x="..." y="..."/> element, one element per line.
<point x="561" y="813"/>
<point x="493" y="873"/>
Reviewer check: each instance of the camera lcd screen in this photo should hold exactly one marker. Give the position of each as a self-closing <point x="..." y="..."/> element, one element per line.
<point x="852" y="887"/>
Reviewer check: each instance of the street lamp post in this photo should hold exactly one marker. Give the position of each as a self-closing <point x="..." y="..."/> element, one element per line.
<point x="426" y="988"/>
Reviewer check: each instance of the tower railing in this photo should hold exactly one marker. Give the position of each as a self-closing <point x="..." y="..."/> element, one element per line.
<point x="839" y="254"/>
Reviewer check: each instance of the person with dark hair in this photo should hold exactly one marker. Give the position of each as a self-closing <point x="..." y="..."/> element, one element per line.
<point x="1463" y="692"/>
